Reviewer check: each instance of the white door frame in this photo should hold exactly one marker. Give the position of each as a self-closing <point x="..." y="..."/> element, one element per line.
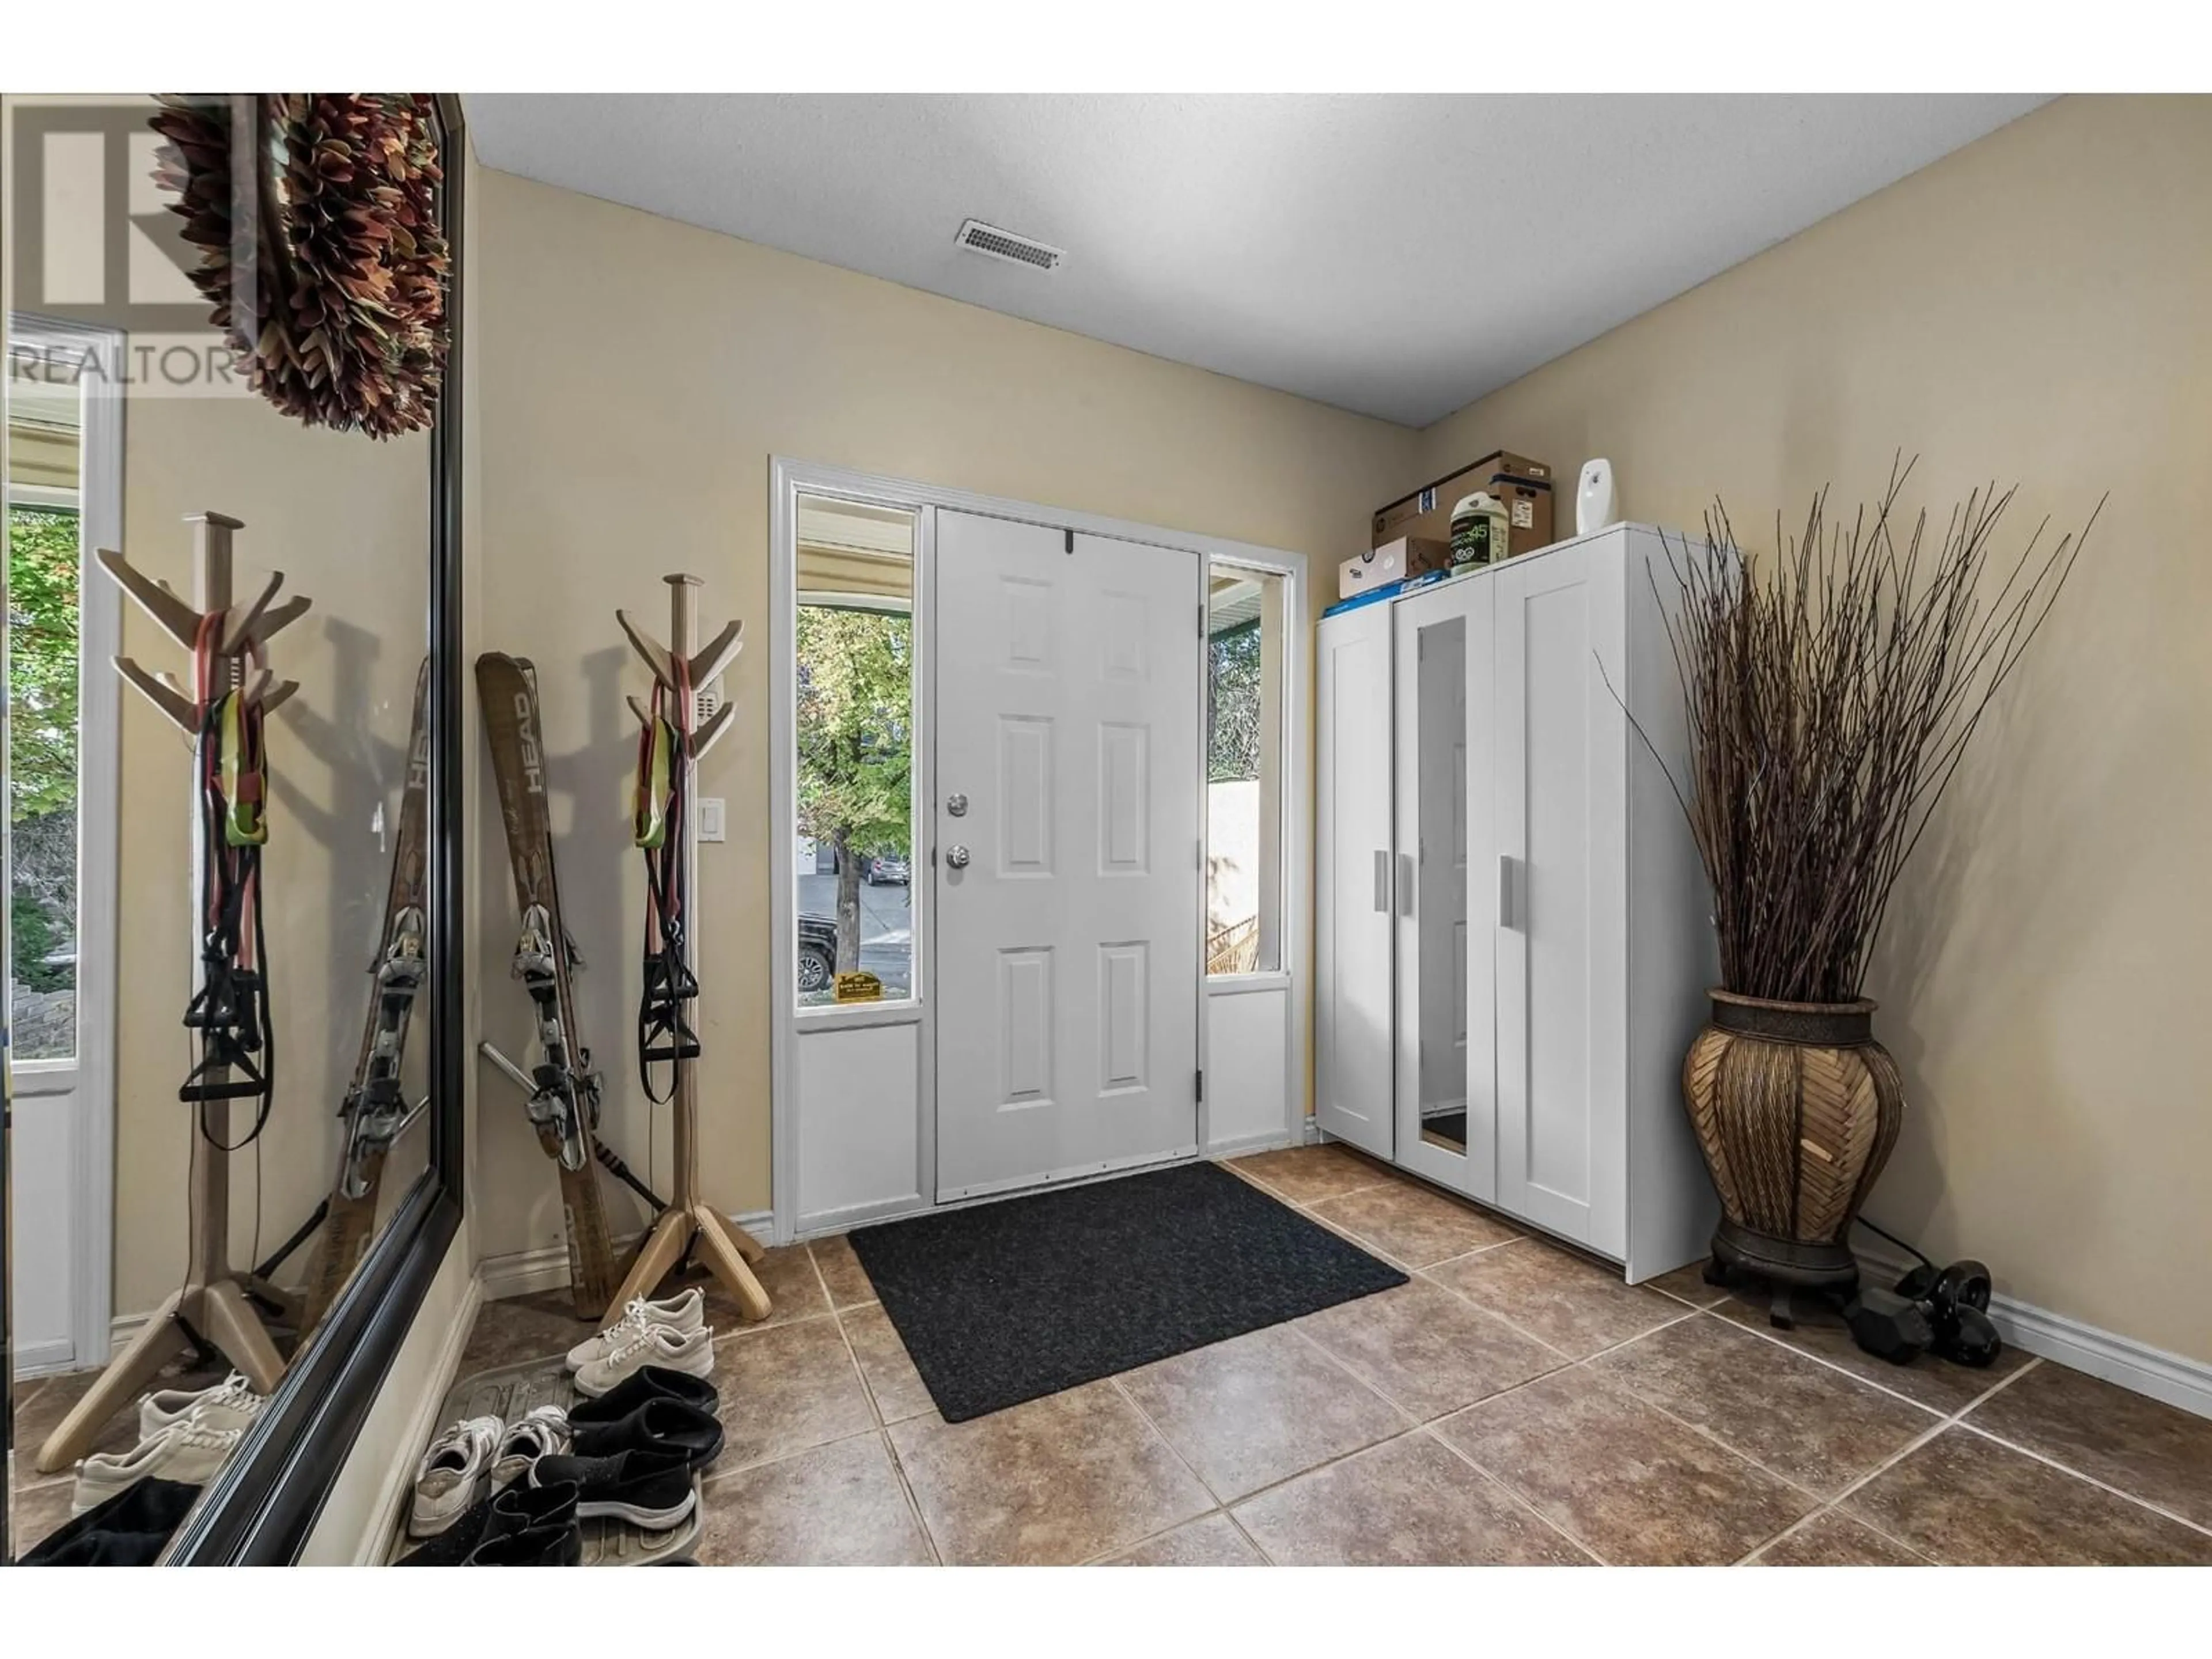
<point x="91" y="1077"/>
<point x="789" y="480"/>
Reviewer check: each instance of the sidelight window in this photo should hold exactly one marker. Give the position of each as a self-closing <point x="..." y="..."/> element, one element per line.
<point x="1244" y="727"/>
<point x="853" y="844"/>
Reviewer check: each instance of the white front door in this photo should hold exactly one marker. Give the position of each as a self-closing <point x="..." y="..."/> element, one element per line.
<point x="1068" y="830"/>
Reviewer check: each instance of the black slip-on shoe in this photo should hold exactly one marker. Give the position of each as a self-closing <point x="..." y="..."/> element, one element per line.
<point x="657" y="1425"/>
<point x="129" y="1530"/>
<point x="647" y="1382"/>
<point x="644" y="1486"/>
<point x="451" y="1547"/>
<point x="533" y="1547"/>
<point x="523" y="1508"/>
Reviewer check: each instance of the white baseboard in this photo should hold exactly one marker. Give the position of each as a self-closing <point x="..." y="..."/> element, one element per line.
<point x="37" y="1359"/>
<point x="545" y="1267"/>
<point x="1241" y="1146"/>
<point x="385" y="1518"/>
<point x="2172" y="1377"/>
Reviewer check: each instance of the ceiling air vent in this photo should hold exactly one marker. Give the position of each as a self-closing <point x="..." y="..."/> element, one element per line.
<point x="988" y="239"/>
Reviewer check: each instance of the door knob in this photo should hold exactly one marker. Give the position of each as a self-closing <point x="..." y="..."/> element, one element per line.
<point x="956" y="806"/>
<point x="957" y="857"/>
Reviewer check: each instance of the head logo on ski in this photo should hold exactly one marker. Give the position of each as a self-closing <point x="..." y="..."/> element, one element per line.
<point x="563" y="1090"/>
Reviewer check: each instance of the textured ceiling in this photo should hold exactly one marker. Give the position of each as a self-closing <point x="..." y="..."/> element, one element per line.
<point x="1397" y="256"/>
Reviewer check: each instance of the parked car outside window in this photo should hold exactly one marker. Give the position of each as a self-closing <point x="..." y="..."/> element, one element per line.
<point x="817" y="955"/>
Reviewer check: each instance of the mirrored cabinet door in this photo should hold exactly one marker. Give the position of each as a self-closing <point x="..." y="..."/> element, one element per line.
<point x="232" y="986"/>
<point x="1446" y="1108"/>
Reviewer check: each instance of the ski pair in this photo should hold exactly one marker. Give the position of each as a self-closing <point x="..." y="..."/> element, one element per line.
<point x="375" y="1109"/>
<point x="564" y="1099"/>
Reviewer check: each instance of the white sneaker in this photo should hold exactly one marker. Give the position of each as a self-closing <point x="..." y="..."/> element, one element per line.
<point x="687" y="1312"/>
<point x="185" y="1450"/>
<point x="691" y="1351"/>
<point x="543" y="1432"/>
<point x="230" y="1404"/>
<point x="452" y="1475"/>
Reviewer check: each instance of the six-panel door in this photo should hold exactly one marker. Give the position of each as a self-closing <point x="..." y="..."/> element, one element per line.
<point x="1068" y="908"/>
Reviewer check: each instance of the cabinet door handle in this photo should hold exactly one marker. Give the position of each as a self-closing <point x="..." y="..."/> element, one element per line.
<point x="1383" y="880"/>
<point x="1404" y="883"/>
<point x="1505" y="916"/>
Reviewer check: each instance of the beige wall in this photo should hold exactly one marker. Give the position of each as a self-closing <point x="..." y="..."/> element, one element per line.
<point x="639" y="374"/>
<point x="2037" y="307"/>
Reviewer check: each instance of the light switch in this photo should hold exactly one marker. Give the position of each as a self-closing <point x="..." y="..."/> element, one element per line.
<point x="710" y="817"/>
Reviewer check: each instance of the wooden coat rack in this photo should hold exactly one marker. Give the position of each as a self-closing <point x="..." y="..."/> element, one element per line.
<point x="690" y="1224"/>
<point x="209" y="1309"/>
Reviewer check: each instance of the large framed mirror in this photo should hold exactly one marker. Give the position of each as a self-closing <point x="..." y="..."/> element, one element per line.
<point x="234" y="1149"/>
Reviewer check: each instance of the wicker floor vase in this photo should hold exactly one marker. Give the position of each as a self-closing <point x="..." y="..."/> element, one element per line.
<point x="1795" y="1107"/>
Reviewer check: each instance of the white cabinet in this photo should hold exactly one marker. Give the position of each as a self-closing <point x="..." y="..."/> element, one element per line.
<point x="1352" y="931"/>
<point x="1495" y="831"/>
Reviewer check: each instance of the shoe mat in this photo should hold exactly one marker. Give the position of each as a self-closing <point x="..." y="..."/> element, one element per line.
<point x="509" y="1391"/>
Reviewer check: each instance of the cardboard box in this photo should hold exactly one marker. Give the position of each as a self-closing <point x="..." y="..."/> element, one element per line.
<point x="1523" y="485"/>
<point x="1391" y="562"/>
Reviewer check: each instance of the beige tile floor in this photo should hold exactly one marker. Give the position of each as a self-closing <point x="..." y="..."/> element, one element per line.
<point x="1515" y="1402"/>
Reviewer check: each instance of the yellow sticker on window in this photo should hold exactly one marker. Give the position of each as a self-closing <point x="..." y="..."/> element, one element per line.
<point x="859" y="987"/>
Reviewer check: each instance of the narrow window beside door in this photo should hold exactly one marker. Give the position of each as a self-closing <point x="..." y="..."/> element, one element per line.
<point x="854" y="846"/>
<point x="1244" y="719"/>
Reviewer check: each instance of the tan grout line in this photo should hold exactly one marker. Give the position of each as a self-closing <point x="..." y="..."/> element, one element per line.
<point x="1844" y="1516"/>
<point x="1941" y="1426"/>
<point x="1160" y="1435"/>
<point x="876" y="1410"/>
<point x="913" y="1503"/>
<point x="2137" y="1498"/>
<point x="1767" y="1333"/>
<point x="1343" y="1365"/>
<point x="1422" y="1274"/>
<point x="763" y="1327"/>
<point x="1279" y="1194"/>
<point x="750" y="1464"/>
<point x="1504" y="1319"/>
<point x="1513" y="1496"/>
<point x="1245" y="1533"/>
<point x="1479" y="1249"/>
<point x="1404" y="1432"/>
<point x="1604" y="1381"/>
<point x="1822" y="1504"/>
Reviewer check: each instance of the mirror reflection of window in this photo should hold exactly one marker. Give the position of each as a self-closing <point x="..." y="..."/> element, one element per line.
<point x="853" y="845"/>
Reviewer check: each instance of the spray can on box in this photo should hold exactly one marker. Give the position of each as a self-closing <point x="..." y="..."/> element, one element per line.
<point x="1478" y="531"/>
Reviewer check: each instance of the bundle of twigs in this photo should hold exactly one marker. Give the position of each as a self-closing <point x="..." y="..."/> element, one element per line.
<point x="1830" y="703"/>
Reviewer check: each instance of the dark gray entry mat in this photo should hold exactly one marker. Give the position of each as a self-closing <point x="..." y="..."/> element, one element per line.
<point x="1003" y="1303"/>
<point x="507" y="1393"/>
